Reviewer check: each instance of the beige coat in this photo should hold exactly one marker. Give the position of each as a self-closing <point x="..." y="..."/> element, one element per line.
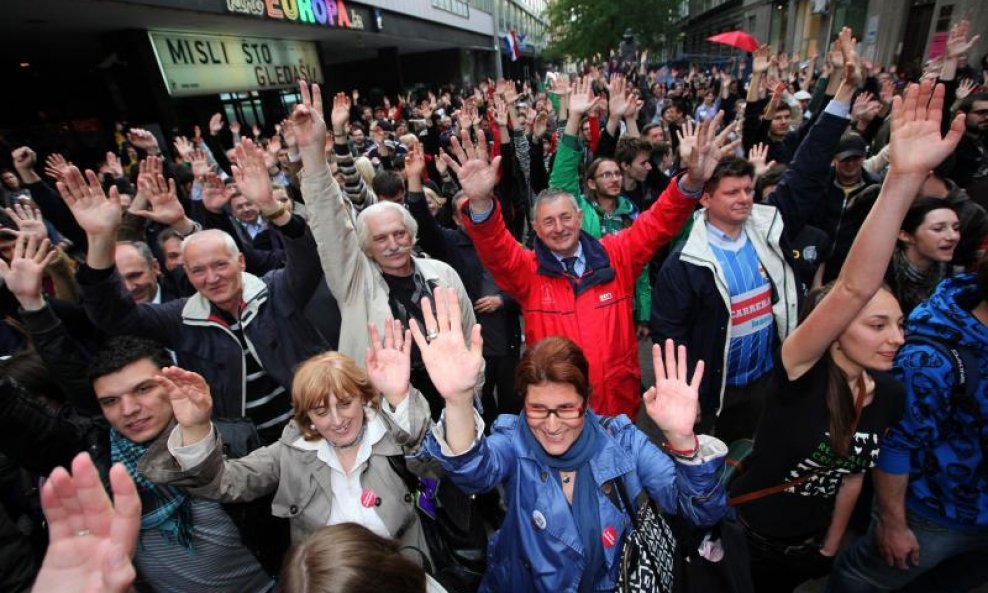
<point x="300" y="480"/>
<point x="353" y="277"/>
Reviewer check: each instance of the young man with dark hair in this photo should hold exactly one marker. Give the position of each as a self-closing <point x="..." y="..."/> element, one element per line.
<point x="729" y="292"/>
<point x="931" y="527"/>
<point x="389" y="187"/>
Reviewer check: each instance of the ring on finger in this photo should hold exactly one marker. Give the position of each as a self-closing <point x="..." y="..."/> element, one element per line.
<point x="432" y="334"/>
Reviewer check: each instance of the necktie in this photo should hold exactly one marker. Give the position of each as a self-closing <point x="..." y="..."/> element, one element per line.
<point x="570" y="264"/>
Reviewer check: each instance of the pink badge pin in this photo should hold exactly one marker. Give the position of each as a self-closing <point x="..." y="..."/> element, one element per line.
<point x="367" y="498"/>
<point x="609" y="537"/>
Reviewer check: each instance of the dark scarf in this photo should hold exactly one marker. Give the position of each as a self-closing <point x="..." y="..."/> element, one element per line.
<point x="164" y="508"/>
<point x="584" y="508"/>
<point x="912" y="285"/>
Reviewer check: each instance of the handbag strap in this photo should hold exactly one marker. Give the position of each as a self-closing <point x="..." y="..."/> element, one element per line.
<point x="625" y="501"/>
<point x="770" y="490"/>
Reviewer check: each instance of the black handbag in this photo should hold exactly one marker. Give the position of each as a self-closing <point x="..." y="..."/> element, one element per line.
<point x="648" y="554"/>
<point x="454" y="530"/>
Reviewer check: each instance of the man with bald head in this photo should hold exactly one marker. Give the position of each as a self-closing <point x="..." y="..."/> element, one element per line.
<point x="244" y="334"/>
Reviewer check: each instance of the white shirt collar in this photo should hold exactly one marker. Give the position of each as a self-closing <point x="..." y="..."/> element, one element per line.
<point x="376" y="429"/>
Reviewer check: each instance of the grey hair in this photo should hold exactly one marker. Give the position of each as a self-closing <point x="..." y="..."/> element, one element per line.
<point x="228" y="242"/>
<point x="142" y="249"/>
<point x="363" y="230"/>
<point x="551" y="195"/>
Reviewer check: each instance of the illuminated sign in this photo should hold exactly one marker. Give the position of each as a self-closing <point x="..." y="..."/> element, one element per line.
<point x="193" y="64"/>
<point x="331" y="13"/>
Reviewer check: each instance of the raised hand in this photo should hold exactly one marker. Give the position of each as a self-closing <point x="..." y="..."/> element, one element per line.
<point x="56" y="166"/>
<point x="216" y="124"/>
<point x="161" y="194"/>
<point x="499" y="111"/>
<point x="415" y="165"/>
<point x="28" y="220"/>
<point x="26" y="268"/>
<point x="234" y="127"/>
<point x="761" y="59"/>
<point x="758" y="156"/>
<point x="711" y="147"/>
<point x="687" y="140"/>
<point x="251" y="175"/>
<point x="958" y="44"/>
<point x="91" y="539"/>
<point x="191" y="402"/>
<point x="619" y="99"/>
<point x="214" y="194"/>
<point x="144" y="140"/>
<point x="582" y="99"/>
<point x="477" y="174"/>
<point x="113" y="166"/>
<point x="847" y="47"/>
<point x="916" y="145"/>
<point x="389" y="365"/>
<point x="964" y="88"/>
<point x="340" y="114"/>
<point x="674" y="401"/>
<point x="184" y="147"/>
<point x="200" y="163"/>
<point x="309" y="126"/>
<point x="454" y="368"/>
<point x="97" y="214"/>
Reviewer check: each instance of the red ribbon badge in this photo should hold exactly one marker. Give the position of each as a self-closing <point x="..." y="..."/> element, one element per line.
<point x="609" y="537"/>
<point x="368" y="498"/>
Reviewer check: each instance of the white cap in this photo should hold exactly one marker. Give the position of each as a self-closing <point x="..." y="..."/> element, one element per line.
<point x="802" y="96"/>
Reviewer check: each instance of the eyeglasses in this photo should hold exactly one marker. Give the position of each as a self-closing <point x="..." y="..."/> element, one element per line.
<point x="567" y="413"/>
<point x="608" y="175"/>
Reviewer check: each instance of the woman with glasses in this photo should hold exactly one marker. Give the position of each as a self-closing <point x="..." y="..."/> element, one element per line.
<point x="559" y="463"/>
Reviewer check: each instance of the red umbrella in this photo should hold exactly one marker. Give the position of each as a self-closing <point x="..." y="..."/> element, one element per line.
<point x="738" y="39"/>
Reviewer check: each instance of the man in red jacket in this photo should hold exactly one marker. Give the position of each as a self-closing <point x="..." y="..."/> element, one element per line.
<point x="572" y="284"/>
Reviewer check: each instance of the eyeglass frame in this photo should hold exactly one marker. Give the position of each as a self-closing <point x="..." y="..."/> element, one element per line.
<point x="609" y="175"/>
<point x="581" y="411"/>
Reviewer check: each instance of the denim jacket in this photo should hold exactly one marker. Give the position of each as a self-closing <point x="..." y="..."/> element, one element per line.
<point x="538" y="547"/>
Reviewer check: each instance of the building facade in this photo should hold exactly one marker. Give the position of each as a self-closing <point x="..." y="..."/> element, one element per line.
<point x="74" y="67"/>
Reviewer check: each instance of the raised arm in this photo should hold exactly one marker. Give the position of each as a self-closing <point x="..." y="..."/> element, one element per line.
<point x="916" y="148"/>
<point x="343" y="262"/>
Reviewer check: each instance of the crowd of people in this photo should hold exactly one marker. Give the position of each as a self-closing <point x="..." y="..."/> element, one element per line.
<point x="394" y="346"/>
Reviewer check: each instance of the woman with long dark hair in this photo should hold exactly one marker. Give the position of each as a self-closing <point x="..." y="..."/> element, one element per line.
<point x="830" y="401"/>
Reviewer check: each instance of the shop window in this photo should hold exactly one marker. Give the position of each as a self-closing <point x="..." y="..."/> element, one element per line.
<point x="244" y="107"/>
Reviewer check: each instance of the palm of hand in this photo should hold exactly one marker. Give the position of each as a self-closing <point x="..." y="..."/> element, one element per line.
<point x="23" y="277"/>
<point x="477" y="178"/>
<point x="309" y="127"/>
<point x="166" y="208"/>
<point x="674" y="407"/>
<point x="389" y="370"/>
<point x="191" y="403"/>
<point x="917" y="147"/>
<point x="97" y="215"/>
<point x="452" y="367"/>
<point x="580" y="103"/>
<point x="256" y="187"/>
<point x="71" y="565"/>
<point x="340" y="116"/>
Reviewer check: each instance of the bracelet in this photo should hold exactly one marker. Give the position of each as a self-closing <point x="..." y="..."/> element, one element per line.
<point x="686" y="454"/>
<point x="196" y="227"/>
<point x="273" y="215"/>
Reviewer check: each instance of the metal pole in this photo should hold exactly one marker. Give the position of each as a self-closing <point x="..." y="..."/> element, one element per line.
<point x="498" y="72"/>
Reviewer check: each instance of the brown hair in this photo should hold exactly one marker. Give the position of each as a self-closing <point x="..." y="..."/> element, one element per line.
<point x="349" y="558"/>
<point x="554" y="360"/>
<point x="840" y="400"/>
<point x="321" y="375"/>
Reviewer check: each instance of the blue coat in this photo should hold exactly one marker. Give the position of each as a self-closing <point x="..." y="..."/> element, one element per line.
<point x="538" y="548"/>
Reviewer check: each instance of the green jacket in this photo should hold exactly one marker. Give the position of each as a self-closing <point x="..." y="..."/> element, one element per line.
<point x="596" y="223"/>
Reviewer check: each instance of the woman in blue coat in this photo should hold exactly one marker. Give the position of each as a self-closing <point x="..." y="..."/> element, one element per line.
<point x="558" y="464"/>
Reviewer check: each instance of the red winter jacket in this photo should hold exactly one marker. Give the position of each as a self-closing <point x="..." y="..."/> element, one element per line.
<point x="595" y="311"/>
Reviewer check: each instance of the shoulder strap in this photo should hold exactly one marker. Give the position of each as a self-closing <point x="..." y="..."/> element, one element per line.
<point x="770" y="490"/>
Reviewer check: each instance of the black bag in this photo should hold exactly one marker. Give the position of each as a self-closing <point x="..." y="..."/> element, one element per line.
<point x="648" y="554"/>
<point x="454" y="531"/>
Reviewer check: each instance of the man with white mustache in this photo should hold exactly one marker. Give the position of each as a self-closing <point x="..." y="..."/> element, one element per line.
<point x="369" y="266"/>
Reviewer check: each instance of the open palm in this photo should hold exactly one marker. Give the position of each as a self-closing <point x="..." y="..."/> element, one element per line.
<point x="191" y="401"/>
<point x="454" y="368"/>
<point x="95" y="213"/>
<point x="674" y="401"/>
<point x="389" y="365"/>
<point x="916" y="145"/>
<point x="476" y="173"/>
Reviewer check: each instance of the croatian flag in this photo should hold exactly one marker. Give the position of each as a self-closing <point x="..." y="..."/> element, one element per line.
<point x="512" y="43"/>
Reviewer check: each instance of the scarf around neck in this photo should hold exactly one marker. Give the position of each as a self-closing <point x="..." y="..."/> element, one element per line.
<point x="585" y="509"/>
<point x="912" y="285"/>
<point x="163" y="508"/>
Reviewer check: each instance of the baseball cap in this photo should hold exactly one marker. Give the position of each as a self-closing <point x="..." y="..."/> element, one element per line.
<point x="851" y="145"/>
